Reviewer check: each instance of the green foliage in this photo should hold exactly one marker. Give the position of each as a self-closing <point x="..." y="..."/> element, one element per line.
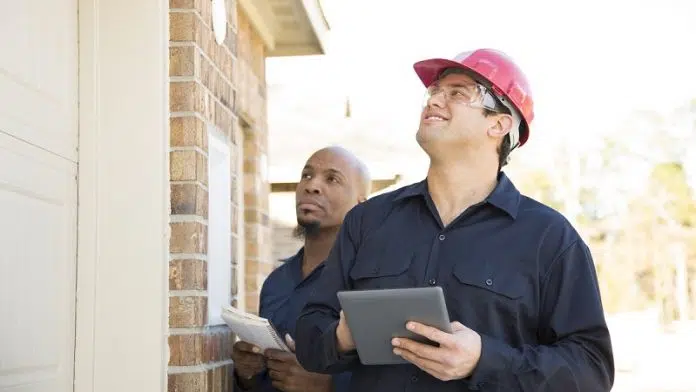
<point x="635" y="266"/>
<point x="539" y="186"/>
<point x="670" y="180"/>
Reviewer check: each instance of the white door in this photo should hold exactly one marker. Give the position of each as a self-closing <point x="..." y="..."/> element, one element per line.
<point x="38" y="194"/>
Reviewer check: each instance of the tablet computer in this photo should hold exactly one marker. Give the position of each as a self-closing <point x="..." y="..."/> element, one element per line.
<point x="376" y="316"/>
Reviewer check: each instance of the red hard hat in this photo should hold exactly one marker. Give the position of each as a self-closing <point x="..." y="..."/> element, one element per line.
<point x="502" y="75"/>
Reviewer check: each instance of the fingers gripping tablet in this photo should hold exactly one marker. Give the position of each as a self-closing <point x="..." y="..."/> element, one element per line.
<point x="374" y="317"/>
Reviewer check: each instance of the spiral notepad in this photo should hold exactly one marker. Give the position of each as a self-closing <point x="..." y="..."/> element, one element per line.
<point x="253" y="329"/>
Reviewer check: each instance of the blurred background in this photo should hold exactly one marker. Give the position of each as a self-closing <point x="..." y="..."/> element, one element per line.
<point x="611" y="145"/>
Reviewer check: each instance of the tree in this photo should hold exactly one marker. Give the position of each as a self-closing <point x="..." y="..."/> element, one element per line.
<point x="643" y="234"/>
<point x="538" y="185"/>
<point x="675" y="216"/>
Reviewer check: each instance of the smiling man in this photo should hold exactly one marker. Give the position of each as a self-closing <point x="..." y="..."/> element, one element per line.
<point x="519" y="281"/>
<point x="333" y="181"/>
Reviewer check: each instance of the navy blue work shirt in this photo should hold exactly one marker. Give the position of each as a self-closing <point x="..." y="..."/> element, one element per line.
<point x="512" y="269"/>
<point x="283" y="295"/>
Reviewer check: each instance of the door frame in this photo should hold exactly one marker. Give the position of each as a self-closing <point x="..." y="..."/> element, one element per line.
<point x="123" y="196"/>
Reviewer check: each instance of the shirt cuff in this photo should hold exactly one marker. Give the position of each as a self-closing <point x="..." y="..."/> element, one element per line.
<point x="333" y="356"/>
<point x="495" y="362"/>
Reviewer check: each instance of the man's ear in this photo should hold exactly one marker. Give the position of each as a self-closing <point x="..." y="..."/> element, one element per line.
<point x="501" y="126"/>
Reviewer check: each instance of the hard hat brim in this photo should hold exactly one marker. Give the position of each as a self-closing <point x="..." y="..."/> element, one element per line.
<point x="429" y="70"/>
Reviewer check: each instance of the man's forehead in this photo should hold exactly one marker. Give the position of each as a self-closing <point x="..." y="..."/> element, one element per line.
<point x="328" y="161"/>
<point x="456" y="77"/>
<point x="323" y="167"/>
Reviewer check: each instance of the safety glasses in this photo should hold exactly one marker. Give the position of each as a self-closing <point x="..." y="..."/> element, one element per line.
<point x="470" y="94"/>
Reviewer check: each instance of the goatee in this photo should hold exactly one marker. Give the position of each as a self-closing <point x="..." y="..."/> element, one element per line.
<point x="307" y="230"/>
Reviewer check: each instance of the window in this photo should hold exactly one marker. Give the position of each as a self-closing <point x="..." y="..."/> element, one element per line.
<point x="219" y="225"/>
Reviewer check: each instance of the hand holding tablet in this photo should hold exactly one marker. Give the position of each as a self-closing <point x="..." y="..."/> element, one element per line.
<point x="375" y="317"/>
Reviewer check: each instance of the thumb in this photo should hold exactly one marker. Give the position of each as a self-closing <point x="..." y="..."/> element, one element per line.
<point x="290" y="342"/>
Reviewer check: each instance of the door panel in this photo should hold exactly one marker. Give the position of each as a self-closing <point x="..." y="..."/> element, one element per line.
<point x="38" y="194"/>
<point x="38" y="73"/>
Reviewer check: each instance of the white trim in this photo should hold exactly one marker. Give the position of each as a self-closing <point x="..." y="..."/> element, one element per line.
<point x="241" y="229"/>
<point x="318" y="23"/>
<point x="123" y="192"/>
<point x="219" y="225"/>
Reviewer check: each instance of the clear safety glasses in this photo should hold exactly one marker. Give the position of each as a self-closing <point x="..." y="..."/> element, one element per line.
<point x="471" y="94"/>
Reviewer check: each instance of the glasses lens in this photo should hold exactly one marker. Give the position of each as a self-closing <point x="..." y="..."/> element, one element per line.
<point x="465" y="94"/>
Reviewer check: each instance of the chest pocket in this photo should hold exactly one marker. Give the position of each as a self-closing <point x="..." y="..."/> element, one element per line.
<point x="485" y="297"/>
<point x="382" y="266"/>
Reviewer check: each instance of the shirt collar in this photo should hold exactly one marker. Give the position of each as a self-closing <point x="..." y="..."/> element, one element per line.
<point x="505" y="196"/>
<point x="294" y="263"/>
<point x="297" y="257"/>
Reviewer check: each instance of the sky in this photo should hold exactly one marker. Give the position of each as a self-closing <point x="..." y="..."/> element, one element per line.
<point x="590" y="64"/>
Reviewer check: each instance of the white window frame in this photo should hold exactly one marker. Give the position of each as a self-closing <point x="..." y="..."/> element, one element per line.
<point x="219" y="225"/>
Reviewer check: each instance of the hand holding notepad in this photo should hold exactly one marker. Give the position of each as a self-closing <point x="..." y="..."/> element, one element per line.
<point x="253" y="329"/>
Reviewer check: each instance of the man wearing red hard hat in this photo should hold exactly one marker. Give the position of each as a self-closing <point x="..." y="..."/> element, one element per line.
<point x="519" y="282"/>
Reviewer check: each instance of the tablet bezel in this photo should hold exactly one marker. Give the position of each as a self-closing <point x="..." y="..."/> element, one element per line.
<point x="365" y="312"/>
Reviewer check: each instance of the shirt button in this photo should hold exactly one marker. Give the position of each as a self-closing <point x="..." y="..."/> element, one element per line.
<point x="414" y="378"/>
<point x="489" y="282"/>
<point x="441" y="237"/>
<point x="432" y="282"/>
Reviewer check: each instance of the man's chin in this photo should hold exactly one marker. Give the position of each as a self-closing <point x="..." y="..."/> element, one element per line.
<point x="307" y="228"/>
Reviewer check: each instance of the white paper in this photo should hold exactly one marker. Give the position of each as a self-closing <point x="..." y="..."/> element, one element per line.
<point x="253" y="329"/>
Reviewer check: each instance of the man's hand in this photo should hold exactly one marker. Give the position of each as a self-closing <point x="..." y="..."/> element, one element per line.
<point x="343" y="336"/>
<point x="248" y="362"/>
<point x="456" y="358"/>
<point x="289" y="376"/>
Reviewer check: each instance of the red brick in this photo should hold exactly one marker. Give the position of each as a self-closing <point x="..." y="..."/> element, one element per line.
<point x="182" y="26"/>
<point x="186" y="97"/>
<point x="188" y="382"/>
<point x="188" y="275"/>
<point x="182" y="61"/>
<point x="189" y="199"/>
<point x="186" y="350"/>
<point x="188" y="131"/>
<point x="188" y="237"/>
<point x="218" y="379"/>
<point x="188" y="311"/>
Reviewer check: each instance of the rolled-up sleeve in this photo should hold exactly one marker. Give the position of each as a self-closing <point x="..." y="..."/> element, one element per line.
<point x="316" y="345"/>
<point x="576" y="355"/>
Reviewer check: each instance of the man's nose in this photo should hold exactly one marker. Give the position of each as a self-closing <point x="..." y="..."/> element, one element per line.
<point x="313" y="187"/>
<point x="437" y="99"/>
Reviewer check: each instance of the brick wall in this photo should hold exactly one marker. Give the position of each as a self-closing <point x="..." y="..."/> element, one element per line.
<point x="221" y="86"/>
<point x="285" y="244"/>
<point x="251" y="107"/>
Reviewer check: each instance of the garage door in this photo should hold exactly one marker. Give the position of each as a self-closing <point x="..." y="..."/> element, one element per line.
<point x="38" y="194"/>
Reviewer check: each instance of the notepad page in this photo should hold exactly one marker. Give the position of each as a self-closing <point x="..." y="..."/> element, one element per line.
<point x="253" y="329"/>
